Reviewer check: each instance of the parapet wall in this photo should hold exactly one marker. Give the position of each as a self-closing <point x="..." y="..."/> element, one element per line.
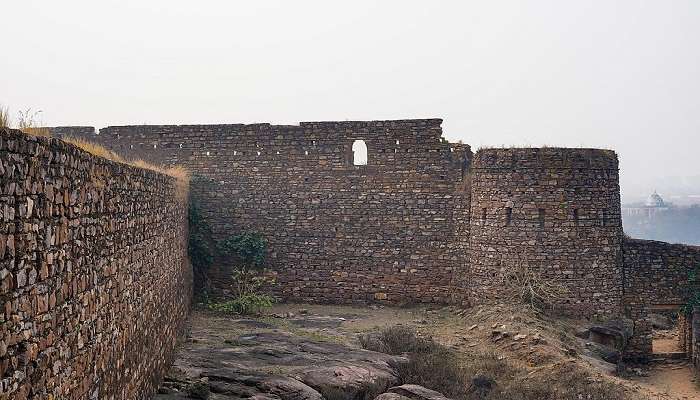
<point x="395" y="230"/>
<point x="550" y="212"/>
<point x="93" y="273"/>
<point x="658" y="275"/>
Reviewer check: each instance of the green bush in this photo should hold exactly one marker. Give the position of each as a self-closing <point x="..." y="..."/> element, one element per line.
<point x="247" y="304"/>
<point x="249" y="247"/>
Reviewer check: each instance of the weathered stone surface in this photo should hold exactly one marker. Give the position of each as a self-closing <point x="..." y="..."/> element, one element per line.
<point x="417" y="392"/>
<point x="94" y="282"/>
<point x="391" y="396"/>
<point x="279" y="364"/>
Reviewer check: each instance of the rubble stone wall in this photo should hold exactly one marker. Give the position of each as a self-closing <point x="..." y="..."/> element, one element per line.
<point x="553" y="213"/>
<point x="656" y="274"/>
<point x="394" y="230"/>
<point x="94" y="281"/>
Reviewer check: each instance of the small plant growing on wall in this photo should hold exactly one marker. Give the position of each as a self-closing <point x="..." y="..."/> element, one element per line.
<point x="199" y="250"/>
<point x="249" y="251"/>
<point x="694" y="294"/>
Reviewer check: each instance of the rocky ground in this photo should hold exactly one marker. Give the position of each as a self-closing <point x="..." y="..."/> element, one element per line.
<point x="312" y="352"/>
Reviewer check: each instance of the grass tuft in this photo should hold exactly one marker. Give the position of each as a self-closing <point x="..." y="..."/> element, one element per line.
<point x="5" y="119"/>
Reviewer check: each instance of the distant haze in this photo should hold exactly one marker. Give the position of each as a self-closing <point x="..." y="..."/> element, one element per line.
<point x="614" y="74"/>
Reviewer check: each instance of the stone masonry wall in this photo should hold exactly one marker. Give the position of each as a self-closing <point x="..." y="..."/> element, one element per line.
<point x="94" y="282"/>
<point x="554" y="212"/>
<point x="656" y="274"/>
<point x="395" y="230"/>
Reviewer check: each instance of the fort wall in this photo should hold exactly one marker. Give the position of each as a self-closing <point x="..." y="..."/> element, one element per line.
<point x="94" y="281"/>
<point x="424" y="220"/>
<point x="394" y="230"/>
<point x="658" y="275"/>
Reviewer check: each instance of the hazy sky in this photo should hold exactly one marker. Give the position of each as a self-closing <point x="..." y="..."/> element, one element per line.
<point x="615" y="74"/>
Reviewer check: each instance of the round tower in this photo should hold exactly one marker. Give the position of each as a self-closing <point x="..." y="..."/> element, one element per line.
<point x="547" y="217"/>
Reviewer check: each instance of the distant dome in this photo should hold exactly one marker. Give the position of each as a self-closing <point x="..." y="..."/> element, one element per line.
<point x="655" y="200"/>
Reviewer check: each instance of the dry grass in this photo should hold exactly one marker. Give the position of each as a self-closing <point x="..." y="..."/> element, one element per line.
<point x="95" y="149"/>
<point x="28" y="122"/>
<point x="181" y="174"/>
<point x="5" y="119"/>
<point x="480" y="375"/>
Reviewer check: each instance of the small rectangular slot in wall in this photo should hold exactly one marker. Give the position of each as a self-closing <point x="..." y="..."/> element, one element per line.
<point x="603" y="218"/>
<point x="483" y="216"/>
<point x="509" y="216"/>
<point x="540" y="216"/>
<point x="576" y="216"/>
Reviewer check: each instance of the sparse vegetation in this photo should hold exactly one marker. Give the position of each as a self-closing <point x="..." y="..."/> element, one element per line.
<point x="28" y="122"/>
<point x="200" y="250"/>
<point x="247" y="252"/>
<point x="198" y="390"/>
<point x="247" y="304"/>
<point x="525" y="285"/>
<point x="484" y="375"/>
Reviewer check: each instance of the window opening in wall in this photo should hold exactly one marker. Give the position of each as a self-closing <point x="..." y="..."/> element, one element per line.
<point x="483" y="215"/>
<point x="235" y="152"/>
<point x="603" y="218"/>
<point x="509" y="216"/>
<point x="576" y="216"/>
<point x="258" y="153"/>
<point x="131" y="146"/>
<point x="207" y="153"/>
<point x="278" y="151"/>
<point x="397" y="142"/>
<point x="359" y="152"/>
<point x="180" y="145"/>
<point x="394" y="151"/>
<point x="155" y="146"/>
<point x="306" y="152"/>
<point x="540" y="213"/>
<point x="313" y="142"/>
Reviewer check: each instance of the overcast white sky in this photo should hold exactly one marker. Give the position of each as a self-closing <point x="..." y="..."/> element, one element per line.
<point x="615" y="74"/>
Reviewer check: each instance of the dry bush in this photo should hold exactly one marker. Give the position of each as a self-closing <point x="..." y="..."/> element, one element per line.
<point x="524" y="285"/>
<point x="485" y="375"/>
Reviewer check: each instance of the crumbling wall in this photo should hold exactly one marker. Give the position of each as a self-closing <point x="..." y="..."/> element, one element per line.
<point x="393" y="230"/>
<point x="554" y="213"/>
<point x="656" y="274"/>
<point x="94" y="281"/>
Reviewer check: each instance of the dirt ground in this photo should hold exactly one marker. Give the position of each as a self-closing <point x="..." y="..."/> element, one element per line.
<point x="538" y="344"/>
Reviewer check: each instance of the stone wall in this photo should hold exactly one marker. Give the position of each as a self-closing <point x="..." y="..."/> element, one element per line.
<point x="94" y="281"/>
<point x="395" y="230"/>
<point x="656" y="274"/>
<point x="554" y="213"/>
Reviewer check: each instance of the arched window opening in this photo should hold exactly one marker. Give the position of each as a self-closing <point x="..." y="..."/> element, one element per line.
<point x="359" y="153"/>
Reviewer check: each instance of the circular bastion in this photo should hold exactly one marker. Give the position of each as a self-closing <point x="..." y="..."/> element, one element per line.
<point x="547" y="220"/>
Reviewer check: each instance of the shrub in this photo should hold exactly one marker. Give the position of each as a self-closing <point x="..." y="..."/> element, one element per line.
<point x="249" y="248"/>
<point x="249" y="304"/>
